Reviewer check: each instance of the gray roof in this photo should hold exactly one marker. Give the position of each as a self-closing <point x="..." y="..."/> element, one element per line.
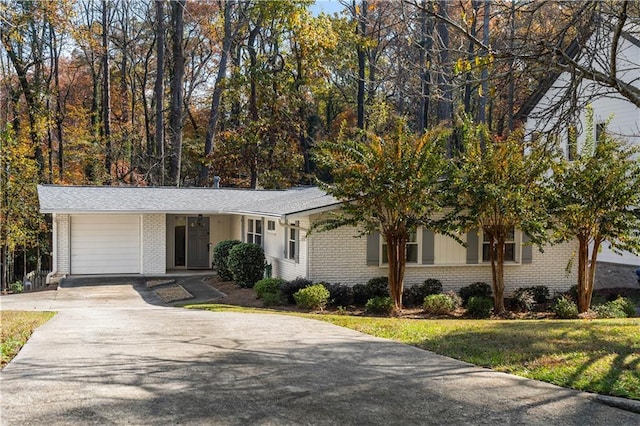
<point x="125" y="199"/>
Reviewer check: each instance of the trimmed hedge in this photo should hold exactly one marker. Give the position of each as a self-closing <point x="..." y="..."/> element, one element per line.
<point x="479" y="307"/>
<point x="289" y="288"/>
<point x="314" y="297"/>
<point x="414" y="295"/>
<point x="246" y="262"/>
<point x="478" y="289"/>
<point x="268" y="286"/>
<point x="220" y="256"/>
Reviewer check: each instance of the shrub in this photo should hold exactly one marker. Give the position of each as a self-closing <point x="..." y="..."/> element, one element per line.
<point x="523" y="299"/>
<point x="609" y="310"/>
<point x="246" y="263"/>
<point x="289" y="288"/>
<point x="540" y="293"/>
<point x="378" y="287"/>
<point x="340" y="294"/>
<point x="565" y="308"/>
<point x="626" y="305"/>
<point x="414" y="295"/>
<point x="573" y="292"/>
<point x="268" y="286"/>
<point x="438" y="304"/>
<point x="360" y="294"/>
<point x="455" y="298"/>
<point x="312" y="297"/>
<point x="380" y="305"/>
<point x="479" y="307"/>
<point x="220" y="256"/>
<point x="272" y="299"/>
<point x="478" y="289"/>
<point x="16" y="287"/>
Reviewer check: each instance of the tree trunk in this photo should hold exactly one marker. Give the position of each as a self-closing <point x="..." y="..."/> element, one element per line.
<point x="177" y="94"/>
<point x="496" y="255"/>
<point x="214" y="112"/>
<point x="482" y="101"/>
<point x="361" y="28"/>
<point x="106" y="93"/>
<point x="586" y="272"/>
<point x="470" y="56"/>
<point x="397" y="254"/>
<point x="159" y="88"/>
<point x="445" y="102"/>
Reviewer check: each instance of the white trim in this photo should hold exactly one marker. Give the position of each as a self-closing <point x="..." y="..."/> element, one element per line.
<point x="418" y="241"/>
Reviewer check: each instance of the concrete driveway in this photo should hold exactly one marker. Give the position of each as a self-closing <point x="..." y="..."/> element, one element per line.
<point x="116" y="355"/>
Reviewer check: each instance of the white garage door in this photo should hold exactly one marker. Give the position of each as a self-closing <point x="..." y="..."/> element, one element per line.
<point x="105" y="244"/>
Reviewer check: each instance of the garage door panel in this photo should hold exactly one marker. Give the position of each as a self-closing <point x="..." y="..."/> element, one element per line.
<point x="105" y="244"/>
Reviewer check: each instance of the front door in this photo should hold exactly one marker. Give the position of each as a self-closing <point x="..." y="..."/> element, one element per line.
<point x="198" y="242"/>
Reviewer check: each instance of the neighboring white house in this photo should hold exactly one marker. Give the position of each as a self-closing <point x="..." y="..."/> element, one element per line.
<point x="153" y="231"/>
<point x="622" y="117"/>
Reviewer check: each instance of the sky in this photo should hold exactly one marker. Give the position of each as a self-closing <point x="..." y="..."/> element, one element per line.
<point x="327" y="6"/>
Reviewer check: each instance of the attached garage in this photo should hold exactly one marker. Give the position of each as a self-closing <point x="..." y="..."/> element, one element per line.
<point x="105" y="244"/>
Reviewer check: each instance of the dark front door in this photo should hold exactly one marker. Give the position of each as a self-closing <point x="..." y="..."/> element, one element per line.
<point x="198" y="242"/>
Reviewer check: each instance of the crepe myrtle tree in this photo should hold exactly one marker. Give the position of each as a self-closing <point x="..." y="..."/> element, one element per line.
<point x="390" y="181"/>
<point x="497" y="186"/>
<point x="597" y="200"/>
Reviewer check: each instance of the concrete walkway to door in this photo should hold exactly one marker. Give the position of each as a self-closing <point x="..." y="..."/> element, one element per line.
<point x="113" y="355"/>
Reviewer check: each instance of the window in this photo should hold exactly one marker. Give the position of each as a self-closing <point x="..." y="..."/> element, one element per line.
<point x="413" y="246"/>
<point x="271" y="226"/>
<point x="292" y="243"/>
<point x="254" y="231"/>
<point x="509" y="247"/>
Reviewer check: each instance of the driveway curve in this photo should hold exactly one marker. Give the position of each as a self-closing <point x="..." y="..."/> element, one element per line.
<point x="113" y="354"/>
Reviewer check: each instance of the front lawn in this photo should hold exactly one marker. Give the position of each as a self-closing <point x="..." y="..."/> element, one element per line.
<point x="15" y="329"/>
<point x="601" y="356"/>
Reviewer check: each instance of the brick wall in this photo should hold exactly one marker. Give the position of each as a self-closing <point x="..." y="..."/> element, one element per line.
<point x="63" y="239"/>
<point x="339" y="256"/>
<point x="154" y="242"/>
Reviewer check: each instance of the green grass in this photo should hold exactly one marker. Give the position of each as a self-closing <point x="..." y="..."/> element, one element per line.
<point x="601" y="356"/>
<point x="15" y="329"/>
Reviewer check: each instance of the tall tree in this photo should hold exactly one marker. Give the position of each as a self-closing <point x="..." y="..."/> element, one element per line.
<point x="498" y="188"/>
<point x="106" y="92"/>
<point x="177" y="92"/>
<point x="390" y="183"/>
<point x="597" y="200"/>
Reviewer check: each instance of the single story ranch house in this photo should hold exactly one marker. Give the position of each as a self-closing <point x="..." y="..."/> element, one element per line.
<point x="156" y="230"/>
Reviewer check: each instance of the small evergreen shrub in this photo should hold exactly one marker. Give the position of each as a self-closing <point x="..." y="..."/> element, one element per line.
<point x="414" y="295"/>
<point x="339" y="294"/>
<point x="455" y="299"/>
<point x="378" y="287"/>
<point x="540" y="293"/>
<point x="268" y="286"/>
<point x="565" y="308"/>
<point x="438" y="304"/>
<point x="16" y="287"/>
<point x="626" y="305"/>
<point x="477" y="289"/>
<point x="380" y="305"/>
<point x="479" y="307"/>
<point x="360" y="294"/>
<point x="289" y="288"/>
<point x="523" y="300"/>
<point x="314" y="297"/>
<point x="609" y="310"/>
<point x="272" y="299"/>
<point x="246" y="263"/>
<point x="573" y="292"/>
<point x="220" y="255"/>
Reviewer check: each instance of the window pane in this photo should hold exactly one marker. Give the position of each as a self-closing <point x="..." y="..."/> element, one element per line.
<point x="249" y="238"/>
<point x="292" y="234"/>
<point x="509" y="252"/>
<point x="258" y="227"/>
<point x="271" y="225"/>
<point x="413" y="237"/>
<point x="511" y="234"/>
<point x="250" y="225"/>
<point x="486" y="253"/>
<point x="292" y="249"/>
<point x="412" y="253"/>
<point x="258" y="240"/>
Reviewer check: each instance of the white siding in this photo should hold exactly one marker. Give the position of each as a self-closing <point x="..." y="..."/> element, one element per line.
<point x="105" y="244"/>
<point x="449" y="251"/>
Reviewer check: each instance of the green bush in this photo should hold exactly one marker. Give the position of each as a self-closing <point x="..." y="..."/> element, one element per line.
<point x="438" y="304"/>
<point x="477" y="289"/>
<point x="246" y="263"/>
<point x="455" y="299"/>
<point x="289" y="288"/>
<point x="272" y="299"/>
<point x="340" y="294"/>
<point x="573" y="292"/>
<point x="626" y="305"/>
<point x="360" y="294"/>
<point x="565" y="308"/>
<point x="220" y="256"/>
<point x="540" y="293"/>
<point x="479" y="307"/>
<point x="313" y="297"/>
<point x="380" y="305"/>
<point x="268" y="286"/>
<point x="523" y="300"/>
<point x="414" y="295"/>
<point x="16" y="287"/>
<point x="378" y="287"/>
